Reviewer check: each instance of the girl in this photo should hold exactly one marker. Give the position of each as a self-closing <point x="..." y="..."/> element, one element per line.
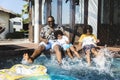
<point x="65" y="44"/>
<point x="88" y="41"/>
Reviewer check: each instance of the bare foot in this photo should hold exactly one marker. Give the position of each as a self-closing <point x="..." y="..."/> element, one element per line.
<point x="27" y="58"/>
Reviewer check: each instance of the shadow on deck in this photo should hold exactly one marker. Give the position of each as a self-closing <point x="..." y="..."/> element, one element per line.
<point x="13" y="50"/>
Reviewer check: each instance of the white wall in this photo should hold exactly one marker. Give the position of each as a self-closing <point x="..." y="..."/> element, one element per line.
<point x="4" y="21"/>
<point x="16" y="23"/>
<point x="92" y="14"/>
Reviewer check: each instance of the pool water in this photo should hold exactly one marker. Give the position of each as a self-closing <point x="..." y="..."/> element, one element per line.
<point x="103" y="68"/>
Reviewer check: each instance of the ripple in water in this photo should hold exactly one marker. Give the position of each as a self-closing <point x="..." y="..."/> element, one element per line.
<point x="102" y="67"/>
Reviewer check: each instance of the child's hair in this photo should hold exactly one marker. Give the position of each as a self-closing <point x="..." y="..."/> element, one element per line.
<point x="58" y="32"/>
<point x="88" y="27"/>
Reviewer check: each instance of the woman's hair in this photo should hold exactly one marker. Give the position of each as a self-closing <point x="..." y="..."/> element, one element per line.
<point x="88" y="27"/>
<point x="58" y="32"/>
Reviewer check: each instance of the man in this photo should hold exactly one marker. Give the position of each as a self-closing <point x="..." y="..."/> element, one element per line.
<point x="47" y="41"/>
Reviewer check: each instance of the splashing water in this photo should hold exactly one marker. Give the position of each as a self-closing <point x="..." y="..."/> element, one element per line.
<point x="103" y="67"/>
<point x="78" y="68"/>
<point x="104" y="60"/>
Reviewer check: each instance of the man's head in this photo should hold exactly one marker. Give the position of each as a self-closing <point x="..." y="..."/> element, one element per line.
<point x="51" y="21"/>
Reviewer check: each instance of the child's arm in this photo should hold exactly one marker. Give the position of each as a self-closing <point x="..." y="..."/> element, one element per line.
<point x="66" y="39"/>
<point x="95" y="39"/>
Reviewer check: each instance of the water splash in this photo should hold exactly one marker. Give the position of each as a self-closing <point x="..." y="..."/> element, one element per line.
<point x="104" y="60"/>
<point x="101" y="66"/>
<point x="104" y="67"/>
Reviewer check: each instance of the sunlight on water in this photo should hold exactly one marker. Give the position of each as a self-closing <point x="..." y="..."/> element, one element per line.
<point x="104" y="60"/>
<point x="101" y="66"/>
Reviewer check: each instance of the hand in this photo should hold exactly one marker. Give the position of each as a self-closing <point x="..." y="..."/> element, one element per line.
<point x="67" y="42"/>
<point x="97" y="41"/>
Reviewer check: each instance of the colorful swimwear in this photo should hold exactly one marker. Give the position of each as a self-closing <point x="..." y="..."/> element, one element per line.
<point x="87" y="40"/>
<point x="63" y="44"/>
<point x="88" y="47"/>
<point x="66" y="46"/>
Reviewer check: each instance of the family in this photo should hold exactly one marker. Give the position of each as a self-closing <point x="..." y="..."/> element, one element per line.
<point x="53" y="36"/>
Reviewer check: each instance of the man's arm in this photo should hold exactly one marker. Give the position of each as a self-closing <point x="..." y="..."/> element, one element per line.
<point x="43" y="40"/>
<point x="42" y="34"/>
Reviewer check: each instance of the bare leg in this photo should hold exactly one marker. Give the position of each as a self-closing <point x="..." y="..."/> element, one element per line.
<point x="69" y="53"/>
<point x="75" y="52"/>
<point x="35" y="54"/>
<point x="94" y="51"/>
<point x="78" y="47"/>
<point x="58" y="53"/>
<point x="88" y="57"/>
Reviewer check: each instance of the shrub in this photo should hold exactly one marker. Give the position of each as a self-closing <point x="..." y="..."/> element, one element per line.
<point x="15" y="35"/>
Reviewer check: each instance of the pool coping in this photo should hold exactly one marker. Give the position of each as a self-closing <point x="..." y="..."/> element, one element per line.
<point x="28" y="47"/>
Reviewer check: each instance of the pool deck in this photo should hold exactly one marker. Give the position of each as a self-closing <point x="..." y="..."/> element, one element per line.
<point x="29" y="45"/>
<point x="19" y="42"/>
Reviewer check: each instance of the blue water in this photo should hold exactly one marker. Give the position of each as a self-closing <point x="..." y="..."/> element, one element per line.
<point x="75" y="71"/>
<point x="105" y="68"/>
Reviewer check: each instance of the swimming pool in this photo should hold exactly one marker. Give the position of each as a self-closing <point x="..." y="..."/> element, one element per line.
<point x="75" y="69"/>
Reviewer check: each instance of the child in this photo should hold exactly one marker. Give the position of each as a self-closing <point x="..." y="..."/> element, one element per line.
<point x="88" y="42"/>
<point x="65" y="44"/>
